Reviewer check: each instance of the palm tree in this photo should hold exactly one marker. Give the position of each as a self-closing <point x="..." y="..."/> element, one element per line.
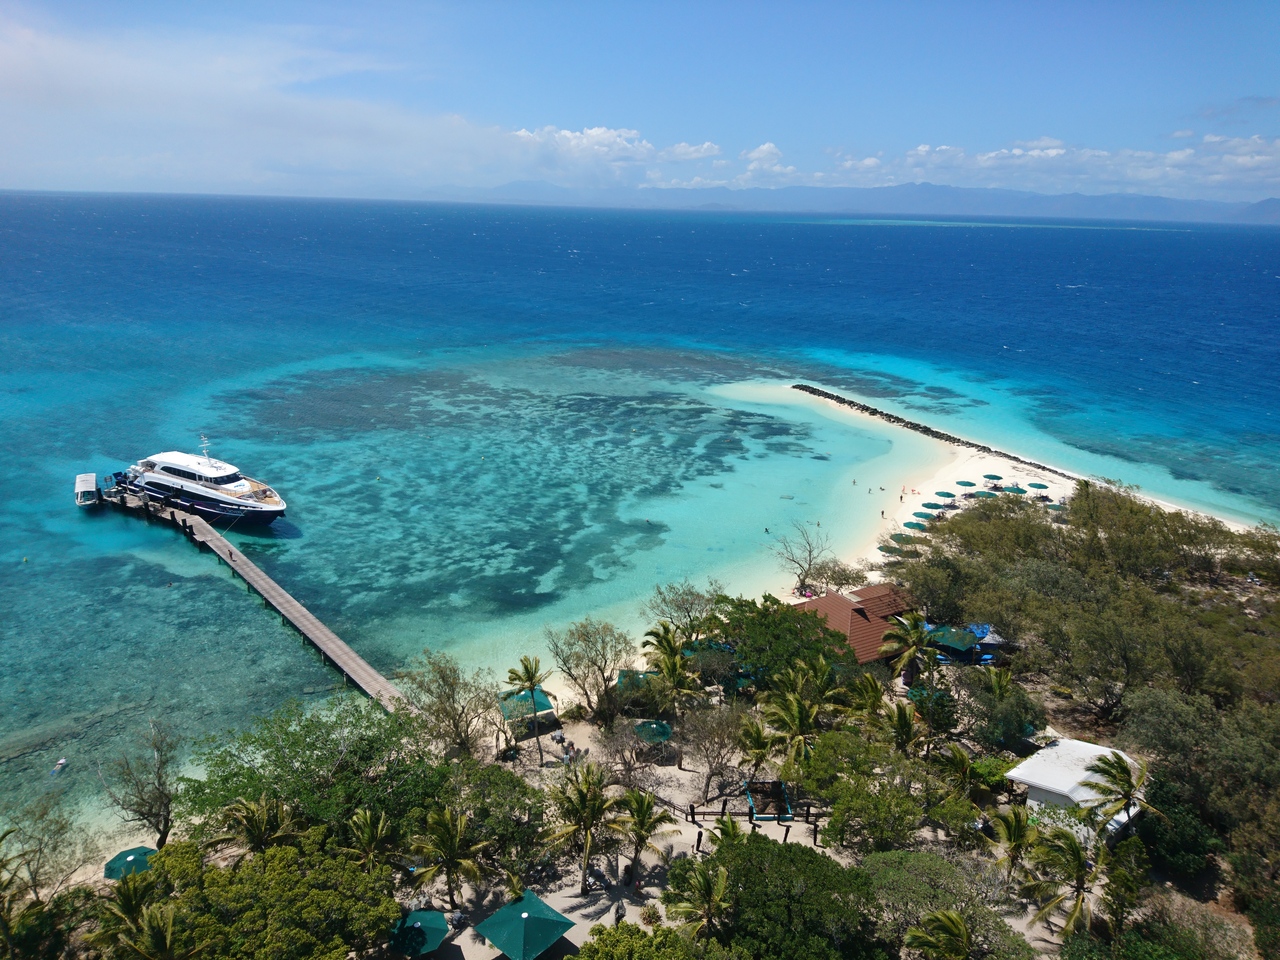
<point x="445" y="848"/>
<point x="585" y="810"/>
<point x="675" y="681"/>
<point x="907" y="643"/>
<point x="796" y="721"/>
<point x="726" y="831"/>
<point x="372" y="838"/>
<point x="903" y="729"/>
<point x="663" y="643"/>
<point x="814" y="682"/>
<point x="1118" y="788"/>
<point x="122" y="909"/>
<point x="704" y="901"/>
<point x="1016" y="837"/>
<point x="154" y="939"/>
<point x="1064" y="875"/>
<point x="957" y="769"/>
<point x="644" y="821"/>
<point x="257" y="824"/>
<point x="758" y="744"/>
<point x="529" y="678"/>
<point x="942" y="935"/>
<point x="999" y="681"/>
<point x="866" y="696"/>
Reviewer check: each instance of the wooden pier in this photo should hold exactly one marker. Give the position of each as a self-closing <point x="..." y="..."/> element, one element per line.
<point x="335" y="652"/>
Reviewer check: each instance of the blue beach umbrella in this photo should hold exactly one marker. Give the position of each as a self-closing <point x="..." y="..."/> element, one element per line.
<point x="947" y="494"/>
<point x="1014" y="490"/>
<point x="1055" y="506"/>
<point x="923" y="516"/>
<point x="965" y="483"/>
<point x="932" y="506"/>
<point x="985" y="494"/>
<point x="912" y="525"/>
<point x="993" y="476"/>
<point x="1038" y="486"/>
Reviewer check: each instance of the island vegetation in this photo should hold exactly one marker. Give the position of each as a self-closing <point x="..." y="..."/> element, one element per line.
<point x="309" y="833"/>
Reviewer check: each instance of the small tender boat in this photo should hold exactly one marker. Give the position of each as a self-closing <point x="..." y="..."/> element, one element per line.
<point x="87" y="492"/>
<point x="205" y="486"/>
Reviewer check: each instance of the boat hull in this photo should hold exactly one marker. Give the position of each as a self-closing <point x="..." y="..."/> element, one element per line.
<point x="211" y="510"/>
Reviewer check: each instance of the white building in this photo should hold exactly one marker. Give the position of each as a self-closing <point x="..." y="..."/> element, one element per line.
<point x="1056" y="775"/>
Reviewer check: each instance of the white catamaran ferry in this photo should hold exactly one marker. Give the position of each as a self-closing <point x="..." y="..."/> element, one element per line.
<point x="203" y="485"/>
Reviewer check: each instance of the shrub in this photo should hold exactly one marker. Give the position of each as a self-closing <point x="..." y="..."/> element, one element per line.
<point x="990" y="772"/>
<point x="1181" y="843"/>
<point x="650" y="915"/>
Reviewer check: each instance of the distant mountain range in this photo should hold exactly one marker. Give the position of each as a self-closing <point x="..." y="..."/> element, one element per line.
<point x="909" y="199"/>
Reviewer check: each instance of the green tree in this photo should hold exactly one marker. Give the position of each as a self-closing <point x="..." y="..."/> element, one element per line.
<point x="643" y="823"/>
<point x="585" y="810"/>
<point x="1126" y="874"/>
<point x="956" y="767"/>
<point x="686" y="607"/>
<point x="455" y="710"/>
<point x="758" y="744"/>
<point x="627" y="941"/>
<point x="589" y="653"/>
<point x="528" y="678"/>
<point x="255" y="825"/>
<point x="1118" y="787"/>
<point x="796" y="722"/>
<point x="701" y="900"/>
<point x="447" y="850"/>
<point x="942" y="935"/>
<point x="770" y="636"/>
<point x="371" y="838"/>
<point x="1015" y="837"/>
<point x="1065" y="872"/>
<point x="903" y="731"/>
<point x="154" y="938"/>
<point x="909" y="644"/>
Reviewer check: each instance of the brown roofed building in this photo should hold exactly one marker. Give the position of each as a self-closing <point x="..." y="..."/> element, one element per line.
<point x="864" y="616"/>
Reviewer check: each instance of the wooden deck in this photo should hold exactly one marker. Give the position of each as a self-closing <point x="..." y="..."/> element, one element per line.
<point x="335" y="652"/>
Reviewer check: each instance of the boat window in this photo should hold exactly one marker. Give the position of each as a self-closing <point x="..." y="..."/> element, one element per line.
<point x="229" y="478"/>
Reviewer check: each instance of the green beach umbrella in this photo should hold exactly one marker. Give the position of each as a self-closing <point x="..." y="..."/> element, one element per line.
<point x="525" y="928"/>
<point x="885" y="548"/>
<point x="1055" y="506"/>
<point x="932" y="506"/>
<point x="133" y="860"/>
<point x="993" y="476"/>
<point x="912" y="525"/>
<point x="653" y="731"/>
<point x="965" y="483"/>
<point x="922" y="515"/>
<point x="517" y="704"/>
<point x="904" y="538"/>
<point x="944" y="493"/>
<point x="420" y="932"/>
<point x="984" y="494"/>
<point x="1014" y="490"/>
<point x="1038" y="486"/>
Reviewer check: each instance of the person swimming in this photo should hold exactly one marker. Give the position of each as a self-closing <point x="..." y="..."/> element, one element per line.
<point x="62" y="762"/>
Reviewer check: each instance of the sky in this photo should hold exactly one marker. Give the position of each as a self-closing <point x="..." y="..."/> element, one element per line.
<point x="402" y="100"/>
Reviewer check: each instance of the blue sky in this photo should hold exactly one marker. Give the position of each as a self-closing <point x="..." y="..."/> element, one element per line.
<point x="398" y="100"/>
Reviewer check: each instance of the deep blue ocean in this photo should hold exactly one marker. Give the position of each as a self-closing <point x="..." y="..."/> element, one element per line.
<point x="487" y="420"/>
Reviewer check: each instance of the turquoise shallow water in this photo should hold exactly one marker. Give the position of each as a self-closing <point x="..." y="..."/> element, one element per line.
<point x="486" y="421"/>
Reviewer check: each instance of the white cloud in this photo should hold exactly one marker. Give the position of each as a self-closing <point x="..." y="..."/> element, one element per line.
<point x="1182" y="134"/>
<point x="765" y="168"/>
<point x="682" y="152"/>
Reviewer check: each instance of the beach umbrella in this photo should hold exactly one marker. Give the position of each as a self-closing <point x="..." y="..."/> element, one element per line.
<point x="885" y="548"/>
<point x="1038" y="486"/>
<point x="420" y="932"/>
<point x="912" y="525"/>
<point x="1055" y="506"/>
<point x="932" y="506"/>
<point x="133" y="860"/>
<point x="944" y="493"/>
<point x="525" y="928"/>
<point x="965" y="483"/>
<point x="518" y="704"/>
<point x="653" y="731"/>
<point x="923" y="516"/>
<point x="993" y="476"/>
<point x="905" y="538"/>
<point x="984" y="494"/>
<point x="1014" y="490"/>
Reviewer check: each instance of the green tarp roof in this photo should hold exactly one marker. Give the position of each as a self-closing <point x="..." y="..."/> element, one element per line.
<point x="524" y="928"/>
<point x="515" y="705"/>
<point x="951" y="637"/>
<point x="420" y="932"/>
<point x="653" y="731"/>
<point x="133" y="860"/>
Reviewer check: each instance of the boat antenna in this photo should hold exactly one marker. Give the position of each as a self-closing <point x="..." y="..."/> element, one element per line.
<point x="204" y="447"/>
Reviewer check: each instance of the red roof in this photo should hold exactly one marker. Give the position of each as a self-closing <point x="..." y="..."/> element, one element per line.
<point x="864" y="616"/>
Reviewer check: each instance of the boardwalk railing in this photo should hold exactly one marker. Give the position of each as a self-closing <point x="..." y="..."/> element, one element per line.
<point x="334" y="651"/>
